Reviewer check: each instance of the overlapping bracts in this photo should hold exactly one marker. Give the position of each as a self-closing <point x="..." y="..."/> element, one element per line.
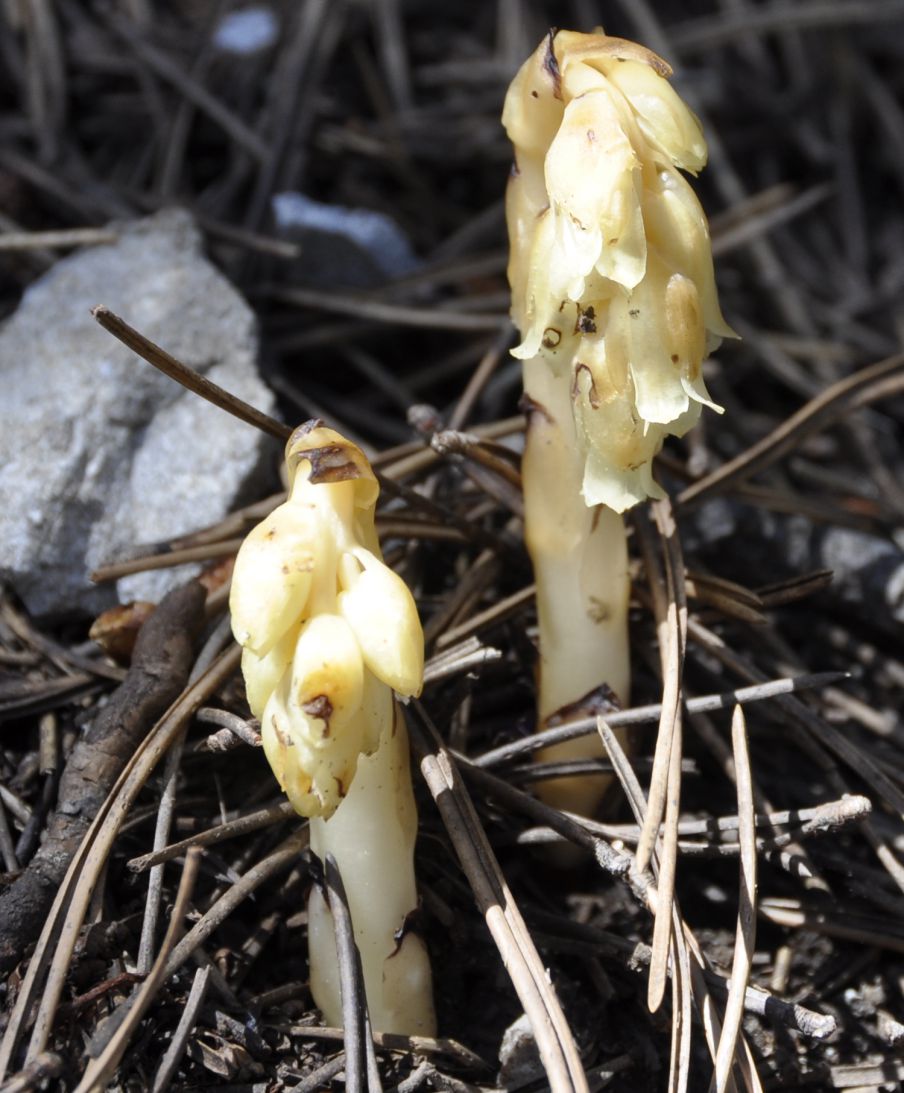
<point x="611" y="265"/>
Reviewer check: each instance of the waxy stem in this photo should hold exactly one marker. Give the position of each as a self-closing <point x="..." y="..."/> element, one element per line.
<point x="580" y="561"/>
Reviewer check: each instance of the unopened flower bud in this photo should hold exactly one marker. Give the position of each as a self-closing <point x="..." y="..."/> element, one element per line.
<point x="272" y="577"/>
<point x="379" y="607"/>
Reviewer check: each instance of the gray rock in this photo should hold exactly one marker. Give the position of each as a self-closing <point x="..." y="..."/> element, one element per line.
<point x="248" y="31"/>
<point x="352" y="248"/>
<point x="98" y="450"/>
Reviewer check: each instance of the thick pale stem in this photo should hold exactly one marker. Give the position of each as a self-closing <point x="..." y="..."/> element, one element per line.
<point x="581" y="567"/>
<point x="372" y="836"/>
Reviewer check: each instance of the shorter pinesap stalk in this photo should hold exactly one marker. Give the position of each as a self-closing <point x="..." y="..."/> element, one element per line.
<point x="371" y="835"/>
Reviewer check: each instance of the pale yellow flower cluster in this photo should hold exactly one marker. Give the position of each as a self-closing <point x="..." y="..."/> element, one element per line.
<point x="611" y="266"/>
<point x="328" y="630"/>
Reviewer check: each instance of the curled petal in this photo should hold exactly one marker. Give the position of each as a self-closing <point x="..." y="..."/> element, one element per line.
<point x="639" y="322"/>
<point x="379" y="608"/>
<point x="533" y="108"/>
<point x="277" y="736"/>
<point x="377" y="705"/>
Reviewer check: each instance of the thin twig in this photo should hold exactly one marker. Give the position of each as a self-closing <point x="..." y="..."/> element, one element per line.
<point x="351" y="987"/>
<point x="188" y="377"/>
<point x="745" y="934"/>
<point x="639" y="715"/>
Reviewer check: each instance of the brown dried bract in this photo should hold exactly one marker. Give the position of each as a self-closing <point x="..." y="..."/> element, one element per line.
<point x="115" y="630"/>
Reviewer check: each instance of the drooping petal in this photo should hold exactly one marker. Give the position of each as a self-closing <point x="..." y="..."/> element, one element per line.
<point x="379" y="608"/>
<point x="619" y="446"/>
<point x="677" y="227"/>
<point x="263" y="674"/>
<point x="272" y="576"/>
<point x="593" y="180"/>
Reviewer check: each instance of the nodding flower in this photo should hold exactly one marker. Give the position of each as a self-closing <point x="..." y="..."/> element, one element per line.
<point x="611" y="266"/>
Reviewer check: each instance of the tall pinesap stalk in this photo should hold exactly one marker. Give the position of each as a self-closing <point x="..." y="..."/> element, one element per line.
<point x="614" y="295"/>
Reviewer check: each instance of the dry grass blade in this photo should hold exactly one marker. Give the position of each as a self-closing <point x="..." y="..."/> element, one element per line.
<point x="682" y="980"/>
<point x="363" y="307"/>
<point x="687" y="954"/>
<point x="74" y="237"/>
<point x="881" y="380"/>
<point x="71" y="904"/>
<point x="177" y="1045"/>
<point x="485" y="369"/>
<point x="671" y="618"/>
<point x="188" y="377"/>
<point x="554" y="1038"/>
<point x="746" y="930"/>
<point x="253" y="821"/>
<point x="281" y="858"/>
<point x="870" y="930"/>
<point x="680" y="1057"/>
<point x="100" y="1070"/>
<point x="665" y="782"/>
<point x="115" y="570"/>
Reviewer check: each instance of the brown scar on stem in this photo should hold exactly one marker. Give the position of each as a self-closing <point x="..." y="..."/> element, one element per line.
<point x="598" y="701"/>
<point x="411" y="924"/>
<point x="598" y="611"/>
